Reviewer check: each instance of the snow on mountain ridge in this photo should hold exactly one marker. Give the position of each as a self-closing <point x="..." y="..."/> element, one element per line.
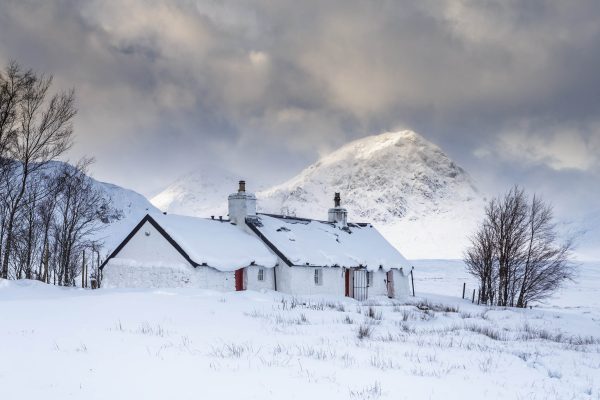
<point x="423" y="202"/>
<point x="129" y="207"/>
<point x="381" y="178"/>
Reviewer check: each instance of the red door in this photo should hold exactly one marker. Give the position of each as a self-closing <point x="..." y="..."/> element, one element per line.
<point x="347" y="283"/>
<point x="239" y="279"/>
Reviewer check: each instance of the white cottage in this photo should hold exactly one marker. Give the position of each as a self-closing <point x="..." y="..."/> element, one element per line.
<point x="179" y="251"/>
<point x="260" y="251"/>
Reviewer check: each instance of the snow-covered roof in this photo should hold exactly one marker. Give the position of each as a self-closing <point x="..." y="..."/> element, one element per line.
<point x="213" y="243"/>
<point x="318" y="243"/>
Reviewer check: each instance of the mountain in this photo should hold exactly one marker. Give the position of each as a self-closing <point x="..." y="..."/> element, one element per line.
<point x="382" y="178"/>
<point x="423" y="202"/>
<point x="415" y="194"/>
<point x="200" y="193"/>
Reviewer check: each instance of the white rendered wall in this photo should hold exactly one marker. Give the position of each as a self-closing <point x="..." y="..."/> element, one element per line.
<point x="150" y="261"/>
<point x="401" y="284"/>
<point x="379" y="284"/>
<point x="283" y="275"/>
<point x="251" y="278"/>
<point x="121" y="273"/>
<point x="301" y="281"/>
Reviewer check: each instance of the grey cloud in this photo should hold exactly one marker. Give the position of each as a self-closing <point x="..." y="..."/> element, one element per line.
<point x="249" y="85"/>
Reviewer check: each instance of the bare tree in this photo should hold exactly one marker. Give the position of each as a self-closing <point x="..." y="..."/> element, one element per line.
<point x="507" y="217"/>
<point x="37" y="129"/>
<point x="80" y="210"/>
<point x="46" y="212"/>
<point x="480" y="263"/>
<point x="12" y="87"/>
<point x="546" y="263"/>
<point x="516" y="254"/>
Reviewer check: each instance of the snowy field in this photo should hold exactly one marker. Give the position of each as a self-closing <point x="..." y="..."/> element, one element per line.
<point x="58" y="343"/>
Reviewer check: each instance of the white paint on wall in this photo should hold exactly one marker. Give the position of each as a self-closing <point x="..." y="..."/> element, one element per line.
<point x="148" y="260"/>
<point x="124" y="273"/>
<point x="301" y="280"/>
<point x="149" y="245"/>
<point x="378" y="285"/>
<point x="401" y="284"/>
<point x="251" y="281"/>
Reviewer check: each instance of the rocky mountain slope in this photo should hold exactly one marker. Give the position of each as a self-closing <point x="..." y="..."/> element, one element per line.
<point x="382" y="179"/>
<point x="423" y="202"/>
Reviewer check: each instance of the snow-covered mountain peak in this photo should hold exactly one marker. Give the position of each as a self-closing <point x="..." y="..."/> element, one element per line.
<point x="368" y="147"/>
<point x="420" y="199"/>
<point x="381" y="178"/>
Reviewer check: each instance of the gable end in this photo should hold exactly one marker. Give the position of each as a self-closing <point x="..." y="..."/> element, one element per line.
<point x="160" y="230"/>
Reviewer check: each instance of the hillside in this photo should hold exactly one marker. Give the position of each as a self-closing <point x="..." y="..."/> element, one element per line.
<point x="129" y="208"/>
<point x="132" y="206"/>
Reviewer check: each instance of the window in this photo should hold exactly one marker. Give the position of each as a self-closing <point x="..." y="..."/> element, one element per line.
<point x="261" y="274"/>
<point x="318" y="276"/>
<point x="369" y="278"/>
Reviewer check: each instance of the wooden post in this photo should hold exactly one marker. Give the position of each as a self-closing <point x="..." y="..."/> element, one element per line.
<point x="412" y="279"/>
<point x="473" y="300"/>
<point x="98" y="270"/>
<point x="464" y="288"/>
<point x="46" y="277"/>
<point x="478" y="297"/>
<point x="83" y="270"/>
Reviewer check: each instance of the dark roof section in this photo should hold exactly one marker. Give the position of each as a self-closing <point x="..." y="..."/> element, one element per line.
<point x="151" y="220"/>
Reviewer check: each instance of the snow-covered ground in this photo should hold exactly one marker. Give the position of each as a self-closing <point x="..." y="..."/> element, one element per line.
<point x="58" y="343"/>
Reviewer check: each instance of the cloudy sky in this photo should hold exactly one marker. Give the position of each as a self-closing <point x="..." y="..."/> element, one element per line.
<point x="509" y="89"/>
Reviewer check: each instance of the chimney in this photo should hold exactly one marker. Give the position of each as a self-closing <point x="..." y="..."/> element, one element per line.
<point x="241" y="205"/>
<point x="338" y="214"/>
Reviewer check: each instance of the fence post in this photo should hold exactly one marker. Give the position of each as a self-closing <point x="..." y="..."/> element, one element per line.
<point x="83" y="270"/>
<point x="478" y="296"/>
<point x="46" y="257"/>
<point x="464" y="288"/>
<point x="473" y="300"/>
<point x="412" y="279"/>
